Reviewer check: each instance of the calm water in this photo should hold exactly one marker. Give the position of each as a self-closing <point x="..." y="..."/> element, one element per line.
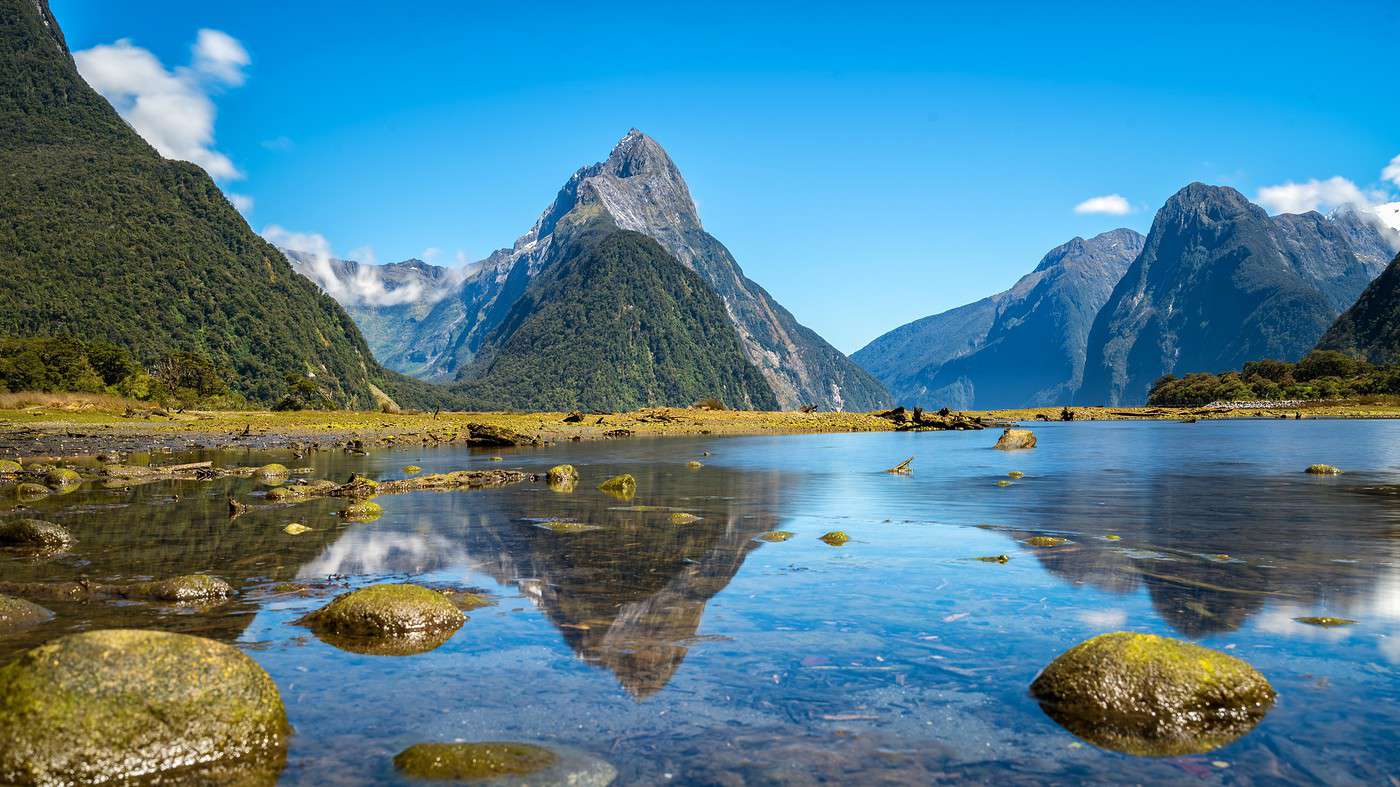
<point x="696" y="654"/>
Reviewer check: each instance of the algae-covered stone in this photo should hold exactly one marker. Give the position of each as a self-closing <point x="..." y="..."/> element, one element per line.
<point x="622" y="486"/>
<point x="694" y="465"/>
<point x="995" y="559"/>
<point x="503" y="762"/>
<point x="562" y="478"/>
<point x="1323" y="470"/>
<point x="296" y="529"/>
<point x="775" y="536"/>
<point x="1015" y="439"/>
<point x="115" y="705"/>
<point x="1016" y="474"/>
<point x="1003" y="482"/>
<point x="16" y="613"/>
<point x="62" y="477"/>
<point x="184" y="589"/>
<point x="34" y="534"/>
<point x="1154" y="696"/>
<point x="293" y="492"/>
<point x="683" y="518"/>
<point x="271" y="472"/>
<point x="362" y="511"/>
<point x="29" y="492"/>
<point x="567" y="526"/>
<point x="836" y="538"/>
<point x="1326" y="621"/>
<point x="10" y="467"/>
<point x="1046" y="541"/>
<point x="388" y="619"/>
<point x="562" y="473"/>
<point x="412" y="469"/>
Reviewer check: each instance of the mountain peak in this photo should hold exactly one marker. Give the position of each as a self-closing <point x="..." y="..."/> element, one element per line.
<point x="1210" y="203"/>
<point x="638" y="154"/>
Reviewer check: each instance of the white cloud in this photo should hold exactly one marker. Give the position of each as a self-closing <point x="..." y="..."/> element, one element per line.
<point x="1111" y="204"/>
<point x="1319" y="195"/>
<point x="219" y="56"/>
<point x="366" y="286"/>
<point x="1110" y="618"/>
<point x="431" y="253"/>
<point x="172" y="110"/>
<point x="1392" y="171"/>
<point x="242" y="202"/>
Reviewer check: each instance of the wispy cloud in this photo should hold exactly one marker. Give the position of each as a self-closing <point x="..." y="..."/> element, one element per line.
<point x="1335" y="192"/>
<point x="1110" y="204"/>
<point x="366" y="285"/>
<point x="1392" y="171"/>
<point x="170" y="109"/>
<point x="242" y="202"/>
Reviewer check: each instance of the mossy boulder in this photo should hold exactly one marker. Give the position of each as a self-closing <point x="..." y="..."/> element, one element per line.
<point x="623" y="487"/>
<point x="191" y="588"/>
<point x="562" y="473"/>
<point x="1154" y="696"/>
<point x="1323" y="470"/>
<point x="16" y="614"/>
<point x="503" y="762"/>
<point x="34" y="534"/>
<point x="272" y="472"/>
<point x="62" y="477"/>
<point x="10" y="467"/>
<point x="1016" y="439"/>
<point x="412" y="469"/>
<point x="362" y="511"/>
<point x="836" y="538"/>
<point x="117" y="705"/>
<point x="28" y="492"/>
<point x="387" y="619"/>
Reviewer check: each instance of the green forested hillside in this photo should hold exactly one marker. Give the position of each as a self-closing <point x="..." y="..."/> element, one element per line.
<point x="103" y="239"/>
<point x="616" y="324"/>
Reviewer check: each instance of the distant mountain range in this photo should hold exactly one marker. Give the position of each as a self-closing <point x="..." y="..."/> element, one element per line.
<point x="1216" y="282"/>
<point x="637" y="188"/>
<point x="102" y="238"/>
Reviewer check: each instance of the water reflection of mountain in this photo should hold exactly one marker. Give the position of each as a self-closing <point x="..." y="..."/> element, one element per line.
<point x="1212" y="551"/>
<point x="629" y="595"/>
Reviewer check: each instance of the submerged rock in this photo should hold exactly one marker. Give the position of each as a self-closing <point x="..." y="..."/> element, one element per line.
<point x="1016" y="474"/>
<point x="61" y="477"/>
<point x="1015" y="439"/>
<point x="304" y="491"/>
<point x="1323" y="470"/>
<point x="562" y="478"/>
<point x="296" y="529"/>
<point x="388" y="619"/>
<point x="623" y="487"/>
<point x="16" y="614"/>
<point x="836" y="538"/>
<point x="271" y="472"/>
<point x="683" y="518"/>
<point x="185" y="589"/>
<point x="362" y="511"/>
<point x="10" y="467"/>
<point x="115" y="705"/>
<point x="1325" y="621"/>
<point x="504" y="763"/>
<point x="28" y="492"/>
<point x="412" y="469"/>
<point x="34" y="534"/>
<point x="694" y="465"/>
<point x="1003" y="482"/>
<point x="1154" y="696"/>
<point x="775" y="536"/>
<point x="1046" y="541"/>
<point x="995" y="559"/>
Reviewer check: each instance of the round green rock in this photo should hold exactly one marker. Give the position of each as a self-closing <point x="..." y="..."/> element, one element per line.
<point x="120" y="705"/>
<point x="16" y="614"/>
<point x="388" y="620"/>
<point x="1152" y="696"/>
<point x="34" y="534"/>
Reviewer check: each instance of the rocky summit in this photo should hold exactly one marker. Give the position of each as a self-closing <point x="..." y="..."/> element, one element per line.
<point x="1219" y="283"/>
<point x="640" y="189"/>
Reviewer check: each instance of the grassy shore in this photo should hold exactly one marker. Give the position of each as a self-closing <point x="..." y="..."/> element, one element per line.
<point x="69" y="424"/>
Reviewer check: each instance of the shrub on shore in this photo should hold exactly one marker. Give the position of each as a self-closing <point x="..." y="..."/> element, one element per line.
<point x="1321" y="374"/>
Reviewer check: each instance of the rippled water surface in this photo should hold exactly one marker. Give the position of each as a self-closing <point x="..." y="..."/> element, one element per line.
<point x="697" y="653"/>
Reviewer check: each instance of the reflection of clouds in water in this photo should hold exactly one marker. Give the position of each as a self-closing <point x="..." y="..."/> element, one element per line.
<point x="1104" y="618"/>
<point x="1280" y="620"/>
<point x="378" y="551"/>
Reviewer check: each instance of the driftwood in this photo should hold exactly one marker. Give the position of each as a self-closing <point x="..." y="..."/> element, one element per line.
<point x="902" y="468"/>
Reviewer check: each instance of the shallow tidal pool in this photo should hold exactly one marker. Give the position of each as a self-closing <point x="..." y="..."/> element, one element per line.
<point x="693" y="650"/>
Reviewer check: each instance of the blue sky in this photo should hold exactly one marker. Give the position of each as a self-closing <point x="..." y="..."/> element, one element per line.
<point x="868" y="166"/>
